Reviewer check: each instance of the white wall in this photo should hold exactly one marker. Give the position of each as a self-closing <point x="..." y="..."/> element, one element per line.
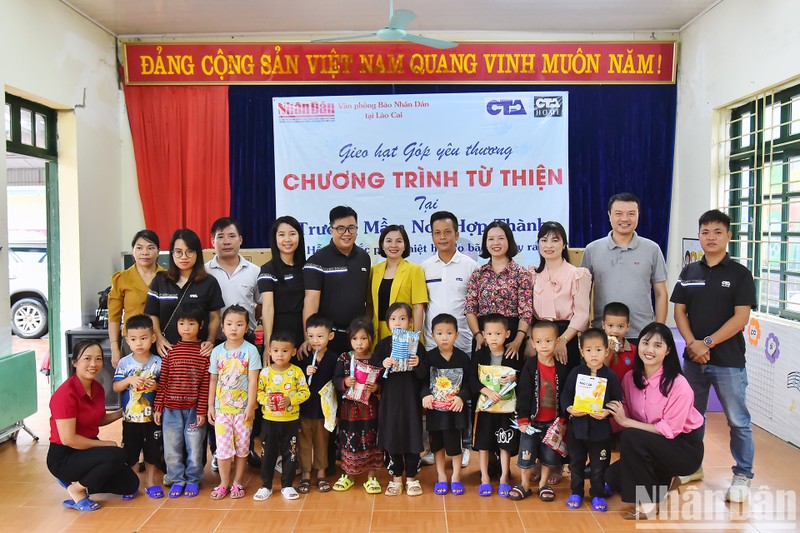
<point x="64" y="61"/>
<point x="736" y="49"/>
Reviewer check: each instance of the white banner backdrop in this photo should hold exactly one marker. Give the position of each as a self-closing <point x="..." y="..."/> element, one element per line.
<point x="398" y="158"/>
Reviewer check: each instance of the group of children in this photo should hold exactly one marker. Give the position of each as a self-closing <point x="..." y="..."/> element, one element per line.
<point x="381" y="425"/>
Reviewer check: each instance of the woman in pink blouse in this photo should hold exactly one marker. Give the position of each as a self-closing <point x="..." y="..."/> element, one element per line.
<point x="500" y="286"/>
<point x="660" y="437"/>
<point x="561" y="294"/>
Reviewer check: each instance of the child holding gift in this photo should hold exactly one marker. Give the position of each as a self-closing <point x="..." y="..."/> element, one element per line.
<point x="537" y="409"/>
<point x="400" y="418"/>
<point x="358" y="422"/>
<point x="620" y="354"/>
<point x="493" y="431"/>
<point x="589" y="434"/>
<point x="281" y="389"/>
<point x="446" y="418"/>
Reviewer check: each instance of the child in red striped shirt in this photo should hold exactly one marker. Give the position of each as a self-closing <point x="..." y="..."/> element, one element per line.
<point x="181" y="404"/>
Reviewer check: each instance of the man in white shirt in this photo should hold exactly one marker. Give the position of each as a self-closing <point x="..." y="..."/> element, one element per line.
<point x="446" y="275"/>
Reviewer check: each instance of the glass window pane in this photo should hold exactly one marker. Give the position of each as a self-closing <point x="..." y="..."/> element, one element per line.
<point x="26" y="126"/>
<point x="8" y="122"/>
<point x="795" y="127"/>
<point x="41" y="131"/>
<point x="793" y="222"/>
<point x="792" y="292"/>
<point x="746" y="130"/>
<point x="794" y="173"/>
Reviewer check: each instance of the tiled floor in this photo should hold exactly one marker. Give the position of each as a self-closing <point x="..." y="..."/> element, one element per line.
<point x="30" y="500"/>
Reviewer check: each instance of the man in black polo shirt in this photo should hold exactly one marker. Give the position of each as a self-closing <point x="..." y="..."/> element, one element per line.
<point x="713" y="299"/>
<point x="336" y="278"/>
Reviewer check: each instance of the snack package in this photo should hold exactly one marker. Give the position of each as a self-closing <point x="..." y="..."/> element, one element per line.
<point x="365" y="374"/>
<point x="556" y="437"/>
<point x="404" y="345"/>
<point x="274" y="402"/>
<point x="590" y="392"/>
<point x="489" y="376"/>
<point x="330" y="405"/>
<point x="445" y="386"/>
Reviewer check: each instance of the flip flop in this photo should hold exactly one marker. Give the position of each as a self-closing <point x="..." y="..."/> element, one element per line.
<point x="485" y="489"/>
<point x="304" y="486"/>
<point x="128" y="497"/>
<point x="219" y="492"/>
<point x="440" y="488"/>
<point x="237" y="491"/>
<point x="599" y="505"/>
<point x="323" y="485"/>
<point x="192" y="490"/>
<point x="519" y="493"/>
<point x="574" y="501"/>
<point x="82" y="505"/>
<point x="546" y="494"/>
<point x="503" y="490"/>
<point x="176" y="491"/>
<point x="456" y="488"/>
<point x="155" y="492"/>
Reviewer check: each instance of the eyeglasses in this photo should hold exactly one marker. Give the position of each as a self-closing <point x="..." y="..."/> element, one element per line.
<point x="341" y="230"/>
<point x="184" y="253"/>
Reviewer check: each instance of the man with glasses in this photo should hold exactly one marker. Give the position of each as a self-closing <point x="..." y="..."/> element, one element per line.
<point x="336" y="278"/>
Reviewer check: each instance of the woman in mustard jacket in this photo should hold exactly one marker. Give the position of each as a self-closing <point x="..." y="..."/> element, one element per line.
<point x="396" y="280"/>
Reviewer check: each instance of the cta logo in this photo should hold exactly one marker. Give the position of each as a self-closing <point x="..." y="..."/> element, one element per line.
<point x="505" y="107"/>
<point x="547" y="106"/>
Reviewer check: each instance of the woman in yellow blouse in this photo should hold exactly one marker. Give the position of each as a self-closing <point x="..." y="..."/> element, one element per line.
<point x="396" y="280"/>
<point x="129" y="287"/>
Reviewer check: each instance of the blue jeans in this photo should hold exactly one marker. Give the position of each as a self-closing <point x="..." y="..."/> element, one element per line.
<point x="730" y="385"/>
<point x="179" y="430"/>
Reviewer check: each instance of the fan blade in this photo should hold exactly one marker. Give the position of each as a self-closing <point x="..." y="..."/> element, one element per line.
<point x="401" y="19"/>
<point x="427" y="41"/>
<point x="348" y="38"/>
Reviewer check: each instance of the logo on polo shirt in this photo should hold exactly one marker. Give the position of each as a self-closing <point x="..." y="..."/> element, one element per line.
<point x="726" y="283"/>
<point x="459" y="279"/>
<point x="363" y="269"/>
<point x="192" y="296"/>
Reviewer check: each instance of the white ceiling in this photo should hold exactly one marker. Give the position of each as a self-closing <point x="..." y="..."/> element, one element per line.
<point x="337" y="17"/>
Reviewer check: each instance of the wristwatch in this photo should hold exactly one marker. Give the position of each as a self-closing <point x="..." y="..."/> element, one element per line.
<point x="708" y="341"/>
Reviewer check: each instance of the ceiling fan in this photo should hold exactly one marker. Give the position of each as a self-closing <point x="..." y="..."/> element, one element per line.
<point x="396" y="31"/>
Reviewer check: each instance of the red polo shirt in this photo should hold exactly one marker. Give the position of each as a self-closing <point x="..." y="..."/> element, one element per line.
<point x="71" y="401"/>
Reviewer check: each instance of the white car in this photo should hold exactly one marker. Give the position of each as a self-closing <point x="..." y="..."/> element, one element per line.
<point x="27" y="279"/>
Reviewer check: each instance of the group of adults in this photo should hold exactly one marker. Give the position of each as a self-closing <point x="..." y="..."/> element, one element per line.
<point x="339" y="282"/>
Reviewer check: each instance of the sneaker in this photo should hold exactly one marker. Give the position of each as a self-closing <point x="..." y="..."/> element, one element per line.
<point x="262" y="494"/>
<point x="427" y="458"/>
<point x="214" y="464"/>
<point x="465" y="458"/>
<point x="739" y="489"/>
<point x="697" y="476"/>
<point x="279" y="465"/>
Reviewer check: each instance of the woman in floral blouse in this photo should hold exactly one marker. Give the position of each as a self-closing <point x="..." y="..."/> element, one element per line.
<point x="500" y="286"/>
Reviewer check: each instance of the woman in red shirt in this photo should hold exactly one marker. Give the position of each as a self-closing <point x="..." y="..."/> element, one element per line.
<point x="81" y="462"/>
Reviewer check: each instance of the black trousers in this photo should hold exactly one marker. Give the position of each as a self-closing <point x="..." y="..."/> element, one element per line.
<point x="279" y="438"/>
<point x="599" y="454"/>
<point x="100" y="470"/>
<point x="398" y="463"/>
<point x="648" y="461"/>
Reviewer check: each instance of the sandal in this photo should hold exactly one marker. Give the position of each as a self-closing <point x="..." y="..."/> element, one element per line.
<point x="546" y="494"/>
<point x="289" y="493"/>
<point x="237" y="491"/>
<point x="519" y="493"/>
<point x="503" y="490"/>
<point x="485" y="489"/>
<point x="155" y="492"/>
<point x="599" y="505"/>
<point x="343" y="483"/>
<point x="395" y="488"/>
<point x="413" y="488"/>
<point x="262" y="494"/>
<point x="372" y="486"/>
<point x="323" y="485"/>
<point x="128" y="497"/>
<point x="574" y="501"/>
<point x="176" y="491"/>
<point x="440" y="488"/>
<point x="82" y="505"/>
<point x="192" y="490"/>
<point x="304" y="487"/>
<point x="219" y="492"/>
<point x="456" y="488"/>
